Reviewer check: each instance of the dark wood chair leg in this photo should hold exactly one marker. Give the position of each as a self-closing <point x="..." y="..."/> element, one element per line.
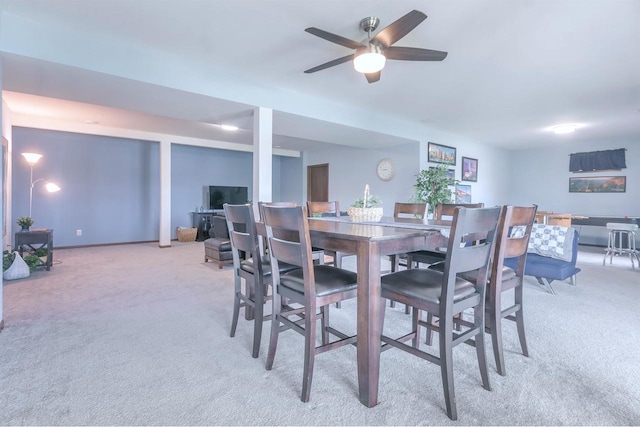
<point x="446" y="367"/>
<point x="519" y="315"/>
<point x="259" y="316"/>
<point x="309" y="354"/>
<point x="275" y="329"/>
<point x="324" y="324"/>
<point x="429" y="339"/>
<point x="417" y="317"/>
<point x="478" y="321"/>
<point x="236" y="305"/>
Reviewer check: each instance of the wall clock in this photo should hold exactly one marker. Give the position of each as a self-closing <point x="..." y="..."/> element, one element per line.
<point x="386" y="169"/>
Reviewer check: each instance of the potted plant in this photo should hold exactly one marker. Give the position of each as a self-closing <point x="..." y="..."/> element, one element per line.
<point x="433" y="186"/>
<point x="25" y="222"/>
<point x="366" y="209"/>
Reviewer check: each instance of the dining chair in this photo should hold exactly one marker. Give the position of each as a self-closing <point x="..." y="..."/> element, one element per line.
<point x="400" y="210"/>
<point x="324" y="209"/>
<point x="403" y="210"/>
<point x="447" y="295"/>
<point x="254" y="269"/>
<point x="442" y="215"/>
<point x="312" y="287"/>
<point x="512" y="241"/>
<point x="317" y="253"/>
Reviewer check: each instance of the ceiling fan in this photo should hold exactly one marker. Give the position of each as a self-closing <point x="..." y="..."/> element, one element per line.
<point x="371" y="54"/>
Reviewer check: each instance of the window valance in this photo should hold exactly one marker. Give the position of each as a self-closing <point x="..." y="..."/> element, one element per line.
<point x="597" y="160"/>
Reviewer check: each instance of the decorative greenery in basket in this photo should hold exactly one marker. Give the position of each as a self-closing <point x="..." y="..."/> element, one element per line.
<point x="366" y="209"/>
<point x="25" y="222"/>
<point x="32" y="260"/>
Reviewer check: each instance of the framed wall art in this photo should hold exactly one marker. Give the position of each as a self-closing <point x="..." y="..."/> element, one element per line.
<point x="442" y="154"/>
<point x="469" y="169"/>
<point x="463" y="194"/>
<point x="598" y="184"/>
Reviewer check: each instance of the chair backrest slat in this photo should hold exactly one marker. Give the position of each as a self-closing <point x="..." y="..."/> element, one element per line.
<point x="243" y="234"/>
<point x="289" y="241"/>
<point x="446" y="210"/>
<point x="318" y="208"/>
<point x="412" y="209"/>
<point x="514" y="231"/>
<point x="482" y="225"/>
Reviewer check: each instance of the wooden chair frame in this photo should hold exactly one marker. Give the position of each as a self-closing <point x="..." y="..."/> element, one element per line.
<point x="478" y="226"/>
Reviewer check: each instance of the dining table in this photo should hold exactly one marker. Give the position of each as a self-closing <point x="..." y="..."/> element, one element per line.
<point x="370" y="242"/>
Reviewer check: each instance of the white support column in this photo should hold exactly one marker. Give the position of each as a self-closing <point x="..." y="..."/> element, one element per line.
<point x="262" y="154"/>
<point x="165" y="194"/>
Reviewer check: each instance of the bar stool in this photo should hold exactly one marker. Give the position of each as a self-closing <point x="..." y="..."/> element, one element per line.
<point x="617" y="228"/>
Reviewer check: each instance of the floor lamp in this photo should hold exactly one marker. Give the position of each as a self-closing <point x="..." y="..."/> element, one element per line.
<point x="32" y="159"/>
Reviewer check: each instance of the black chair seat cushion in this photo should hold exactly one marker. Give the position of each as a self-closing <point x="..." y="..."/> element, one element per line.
<point x="422" y="284"/>
<point x="247" y="265"/>
<point x="220" y="244"/>
<point x="329" y="280"/>
<point x="428" y="257"/>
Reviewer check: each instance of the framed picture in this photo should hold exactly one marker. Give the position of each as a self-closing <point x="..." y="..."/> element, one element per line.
<point x="451" y="175"/>
<point x="442" y="154"/>
<point x="598" y="184"/>
<point x="469" y="169"/>
<point x="463" y="194"/>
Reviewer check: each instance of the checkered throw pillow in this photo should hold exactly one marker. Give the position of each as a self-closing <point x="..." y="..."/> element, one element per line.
<point x="552" y="241"/>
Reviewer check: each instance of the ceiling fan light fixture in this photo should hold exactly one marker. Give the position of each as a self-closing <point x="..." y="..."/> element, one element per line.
<point x="369" y="60"/>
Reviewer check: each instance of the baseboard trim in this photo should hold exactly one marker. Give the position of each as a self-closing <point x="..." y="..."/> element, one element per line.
<point x="105" y="244"/>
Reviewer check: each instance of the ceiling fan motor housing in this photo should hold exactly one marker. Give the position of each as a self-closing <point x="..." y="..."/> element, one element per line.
<point x="369" y="24"/>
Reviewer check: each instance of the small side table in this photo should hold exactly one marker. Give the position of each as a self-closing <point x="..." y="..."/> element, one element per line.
<point x="31" y="241"/>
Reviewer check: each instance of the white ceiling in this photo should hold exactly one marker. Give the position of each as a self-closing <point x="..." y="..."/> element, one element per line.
<point x="515" y="67"/>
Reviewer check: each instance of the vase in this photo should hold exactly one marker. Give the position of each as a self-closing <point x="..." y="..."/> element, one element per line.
<point x="24" y="229"/>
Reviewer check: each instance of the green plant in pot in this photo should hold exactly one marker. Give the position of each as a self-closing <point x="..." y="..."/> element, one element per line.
<point x="433" y="186"/>
<point x="25" y="222"/>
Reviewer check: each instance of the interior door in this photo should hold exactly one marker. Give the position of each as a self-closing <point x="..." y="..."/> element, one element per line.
<point x="318" y="183"/>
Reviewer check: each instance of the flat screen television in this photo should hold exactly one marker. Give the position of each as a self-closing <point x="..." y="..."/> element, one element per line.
<point x="219" y="195"/>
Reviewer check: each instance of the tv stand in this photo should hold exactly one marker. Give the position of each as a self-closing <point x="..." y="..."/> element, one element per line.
<point x="203" y="222"/>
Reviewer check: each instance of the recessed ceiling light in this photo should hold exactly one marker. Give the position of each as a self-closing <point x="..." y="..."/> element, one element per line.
<point x="229" y="127"/>
<point x="91" y="122"/>
<point x="564" y="128"/>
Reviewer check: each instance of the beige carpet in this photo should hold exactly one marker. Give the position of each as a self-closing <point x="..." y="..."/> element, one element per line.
<point x="137" y="335"/>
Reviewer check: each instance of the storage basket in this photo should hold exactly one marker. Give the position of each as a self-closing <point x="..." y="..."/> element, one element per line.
<point x="187" y="234"/>
<point x="365" y="214"/>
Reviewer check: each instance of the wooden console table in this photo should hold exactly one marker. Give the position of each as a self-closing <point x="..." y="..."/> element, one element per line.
<point x="31" y="241"/>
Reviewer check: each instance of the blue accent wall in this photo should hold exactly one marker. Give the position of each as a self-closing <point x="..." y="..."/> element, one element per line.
<point x="111" y="186"/>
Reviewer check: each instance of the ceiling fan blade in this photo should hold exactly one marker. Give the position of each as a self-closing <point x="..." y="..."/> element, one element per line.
<point x="399" y="28"/>
<point x="334" y="38"/>
<point x="330" y="64"/>
<point x="373" y="77"/>
<point x="414" y="54"/>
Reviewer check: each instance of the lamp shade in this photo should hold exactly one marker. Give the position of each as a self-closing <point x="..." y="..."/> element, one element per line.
<point x="32" y="158"/>
<point x="369" y="59"/>
<point x="51" y="187"/>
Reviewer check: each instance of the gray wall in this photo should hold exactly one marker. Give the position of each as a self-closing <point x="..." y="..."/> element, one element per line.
<point x="542" y="175"/>
<point x="110" y="186"/>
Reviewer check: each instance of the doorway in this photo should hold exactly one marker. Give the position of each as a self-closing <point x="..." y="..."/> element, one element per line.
<point x="318" y="183"/>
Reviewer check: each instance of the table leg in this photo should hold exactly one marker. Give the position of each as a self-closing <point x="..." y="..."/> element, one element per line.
<point x="369" y="328"/>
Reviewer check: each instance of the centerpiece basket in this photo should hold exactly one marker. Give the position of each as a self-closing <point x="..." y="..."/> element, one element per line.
<point x="365" y="209"/>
